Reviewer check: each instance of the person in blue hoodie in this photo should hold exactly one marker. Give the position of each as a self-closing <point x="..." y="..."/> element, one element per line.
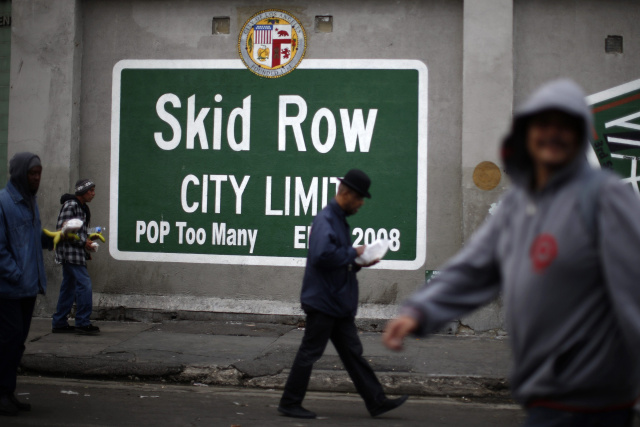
<point x="563" y="250"/>
<point x="22" y="275"/>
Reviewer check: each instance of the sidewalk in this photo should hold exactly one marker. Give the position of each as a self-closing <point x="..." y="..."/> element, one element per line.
<point x="260" y="354"/>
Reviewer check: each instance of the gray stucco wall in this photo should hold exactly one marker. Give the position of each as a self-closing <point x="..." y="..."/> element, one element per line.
<point x="483" y="57"/>
<point x="116" y="30"/>
<point x="566" y="39"/>
<point x="44" y="106"/>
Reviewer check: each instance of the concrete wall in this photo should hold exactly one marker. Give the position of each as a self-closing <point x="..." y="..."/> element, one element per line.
<point x="116" y="30"/>
<point x="567" y="38"/>
<point x="44" y="104"/>
<point x="486" y="104"/>
<point x="483" y="57"/>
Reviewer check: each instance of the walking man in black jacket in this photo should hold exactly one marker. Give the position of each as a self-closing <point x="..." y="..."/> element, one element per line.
<point x="330" y="300"/>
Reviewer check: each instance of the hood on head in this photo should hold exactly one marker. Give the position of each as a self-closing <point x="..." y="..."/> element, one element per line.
<point x="19" y="166"/>
<point x="561" y="95"/>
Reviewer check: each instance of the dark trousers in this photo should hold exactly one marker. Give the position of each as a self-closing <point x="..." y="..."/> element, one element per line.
<point x="547" y="417"/>
<point x="342" y="332"/>
<point x="15" y="321"/>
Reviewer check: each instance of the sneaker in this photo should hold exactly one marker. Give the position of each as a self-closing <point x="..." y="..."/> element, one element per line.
<point x="87" y="330"/>
<point x="296" y="411"/>
<point x="63" y="329"/>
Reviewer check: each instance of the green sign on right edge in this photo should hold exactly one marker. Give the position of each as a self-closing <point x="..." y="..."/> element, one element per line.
<point x="616" y="138"/>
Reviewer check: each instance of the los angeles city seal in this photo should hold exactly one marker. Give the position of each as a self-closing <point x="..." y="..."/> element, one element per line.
<point x="272" y="43"/>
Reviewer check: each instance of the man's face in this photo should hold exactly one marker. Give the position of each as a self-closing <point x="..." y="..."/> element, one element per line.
<point x="33" y="178"/>
<point x="353" y="202"/>
<point x="553" y="139"/>
<point x="89" y="195"/>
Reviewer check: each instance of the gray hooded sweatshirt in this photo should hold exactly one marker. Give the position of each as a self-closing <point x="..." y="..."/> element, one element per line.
<point x="571" y="290"/>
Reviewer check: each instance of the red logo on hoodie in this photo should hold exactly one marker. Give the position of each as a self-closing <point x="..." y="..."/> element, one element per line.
<point x="543" y="251"/>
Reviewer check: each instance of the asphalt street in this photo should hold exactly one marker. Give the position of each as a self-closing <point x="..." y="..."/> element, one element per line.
<point x="72" y="403"/>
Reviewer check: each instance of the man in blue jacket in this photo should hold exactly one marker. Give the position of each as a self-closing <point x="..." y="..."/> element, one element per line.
<point x="330" y="301"/>
<point x="22" y="275"/>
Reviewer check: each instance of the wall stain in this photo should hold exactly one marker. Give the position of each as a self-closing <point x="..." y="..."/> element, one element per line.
<point x="389" y="296"/>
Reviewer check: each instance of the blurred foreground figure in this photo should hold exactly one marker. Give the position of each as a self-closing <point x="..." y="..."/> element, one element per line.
<point x="22" y="275"/>
<point x="563" y="248"/>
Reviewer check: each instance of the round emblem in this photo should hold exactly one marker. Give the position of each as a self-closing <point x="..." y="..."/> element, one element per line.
<point x="486" y="176"/>
<point x="543" y="251"/>
<point x="272" y="43"/>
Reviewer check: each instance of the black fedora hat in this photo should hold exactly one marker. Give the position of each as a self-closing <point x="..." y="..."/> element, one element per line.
<point x="357" y="181"/>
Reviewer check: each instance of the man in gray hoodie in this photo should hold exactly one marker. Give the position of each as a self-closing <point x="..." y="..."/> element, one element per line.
<point x="563" y="249"/>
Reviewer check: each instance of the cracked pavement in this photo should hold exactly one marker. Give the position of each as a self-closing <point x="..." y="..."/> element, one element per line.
<point x="260" y="354"/>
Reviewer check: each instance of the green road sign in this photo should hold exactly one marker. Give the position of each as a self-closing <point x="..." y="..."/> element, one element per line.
<point x="213" y="164"/>
<point x="616" y="138"/>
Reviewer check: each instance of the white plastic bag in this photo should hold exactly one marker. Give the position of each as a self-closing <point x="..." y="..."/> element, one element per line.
<point x="72" y="226"/>
<point x="373" y="252"/>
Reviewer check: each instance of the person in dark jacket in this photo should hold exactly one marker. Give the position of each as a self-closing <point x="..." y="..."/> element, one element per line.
<point x="73" y="255"/>
<point x="330" y="300"/>
<point x="22" y="275"/>
<point x="563" y="249"/>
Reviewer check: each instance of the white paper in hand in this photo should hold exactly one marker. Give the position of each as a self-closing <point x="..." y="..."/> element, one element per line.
<point x="72" y="225"/>
<point x="373" y="252"/>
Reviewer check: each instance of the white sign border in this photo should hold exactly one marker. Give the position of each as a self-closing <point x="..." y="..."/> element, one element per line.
<point x="365" y="64"/>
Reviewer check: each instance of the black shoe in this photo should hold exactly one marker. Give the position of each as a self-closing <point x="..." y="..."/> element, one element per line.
<point x="20" y="405"/>
<point x="63" y="330"/>
<point x="88" y="330"/>
<point x="386" y="405"/>
<point x="296" y="411"/>
<point x="7" y="407"/>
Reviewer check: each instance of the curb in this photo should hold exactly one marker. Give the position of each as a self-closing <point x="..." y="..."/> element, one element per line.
<point x="321" y="380"/>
